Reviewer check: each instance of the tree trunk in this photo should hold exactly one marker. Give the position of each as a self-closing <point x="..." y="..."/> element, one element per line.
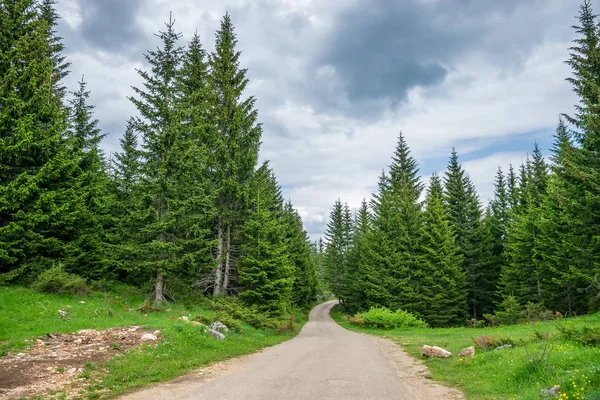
<point x="160" y="283"/>
<point x="227" y="259"/>
<point x="219" y="267"/>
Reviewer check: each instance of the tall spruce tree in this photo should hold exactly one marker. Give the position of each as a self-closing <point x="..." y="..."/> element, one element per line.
<point x="521" y="276"/>
<point x="235" y="146"/>
<point x="304" y="290"/>
<point x="337" y="236"/>
<point x="464" y="215"/>
<point x="358" y="269"/>
<point x="394" y="247"/>
<point x="84" y="137"/>
<point x="265" y="270"/>
<point x="584" y="61"/>
<point x="565" y="239"/>
<point x="42" y="209"/>
<point x="172" y="208"/>
<point x="444" y="279"/>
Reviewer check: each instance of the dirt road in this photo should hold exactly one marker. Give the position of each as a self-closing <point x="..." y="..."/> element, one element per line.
<point x="325" y="361"/>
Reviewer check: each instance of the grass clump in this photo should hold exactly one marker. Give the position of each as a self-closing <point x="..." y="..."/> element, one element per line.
<point x="58" y="281"/>
<point x="384" y="318"/>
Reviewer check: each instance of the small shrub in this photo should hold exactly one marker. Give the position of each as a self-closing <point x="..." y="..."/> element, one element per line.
<point x="147" y="307"/>
<point x="476" y="323"/>
<point x="485" y="342"/>
<point x="586" y="335"/>
<point x="58" y="281"/>
<point x="356" y="321"/>
<point x="536" y="312"/>
<point x="384" y="318"/>
<point x="540" y="336"/>
<point x="231" y="323"/>
<point x="510" y="312"/>
<point x="236" y="309"/>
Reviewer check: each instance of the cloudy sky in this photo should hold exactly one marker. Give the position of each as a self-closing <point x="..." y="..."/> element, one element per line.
<point x="336" y="81"/>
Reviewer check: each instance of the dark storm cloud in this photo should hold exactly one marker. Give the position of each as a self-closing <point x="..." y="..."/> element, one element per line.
<point x="380" y="49"/>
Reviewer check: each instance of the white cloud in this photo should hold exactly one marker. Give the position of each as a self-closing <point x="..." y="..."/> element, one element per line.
<point x="320" y="155"/>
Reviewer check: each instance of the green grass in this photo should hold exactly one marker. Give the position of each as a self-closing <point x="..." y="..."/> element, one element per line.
<point x="508" y="373"/>
<point x="25" y="314"/>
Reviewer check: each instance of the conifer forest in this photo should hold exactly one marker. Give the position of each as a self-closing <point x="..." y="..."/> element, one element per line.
<point x="185" y="206"/>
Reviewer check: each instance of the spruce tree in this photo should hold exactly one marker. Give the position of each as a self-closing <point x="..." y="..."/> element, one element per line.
<point x="565" y="231"/>
<point x="497" y="222"/>
<point x="48" y="14"/>
<point x="585" y="65"/>
<point x="172" y="201"/>
<point x="357" y="272"/>
<point x="304" y="290"/>
<point x="394" y="247"/>
<point x="337" y="238"/>
<point x="42" y="207"/>
<point x="265" y="271"/>
<point x="84" y="137"/>
<point x="444" y="280"/>
<point x="521" y="276"/>
<point x="464" y="215"/>
<point x="234" y="146"/>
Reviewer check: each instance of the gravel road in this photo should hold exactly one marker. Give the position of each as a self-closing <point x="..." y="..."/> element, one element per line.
<point x="325" y="361"/>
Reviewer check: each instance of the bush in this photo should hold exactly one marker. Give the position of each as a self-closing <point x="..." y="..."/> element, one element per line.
<point x="147" y="307"/>
<point x="485" y="342"/>
<point x="536" y="312"/>
<point x="384" y="318"/>
<point x="509" y="313"/>
<point x="231" y="323"/>
<point x="476" y="323"/>
<point x="586" y="335"/>
<point x="236" y="309"/>
<point x="58" y="281"/>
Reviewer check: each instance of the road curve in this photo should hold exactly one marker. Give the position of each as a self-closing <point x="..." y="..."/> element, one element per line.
<point x="325" y="361"/>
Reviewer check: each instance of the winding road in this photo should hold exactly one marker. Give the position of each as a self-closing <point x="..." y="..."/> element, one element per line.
<point x="325" y="361"/>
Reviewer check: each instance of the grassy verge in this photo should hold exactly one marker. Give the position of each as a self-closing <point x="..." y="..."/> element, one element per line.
<point x="513" y="373"/>
<point x="183" y="347"/>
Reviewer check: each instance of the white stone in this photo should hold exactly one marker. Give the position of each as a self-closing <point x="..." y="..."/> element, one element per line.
<point x="219" y="327"/>
<point x="147" y="337"/>
<point x="215" y="334"/>
<point x="435" y="351"/>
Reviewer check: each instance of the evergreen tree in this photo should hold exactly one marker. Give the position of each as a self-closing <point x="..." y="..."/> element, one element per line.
<point x="84" y="137"/>
<point x="394" y="247"/>
<point x="125" y="174"/>
<point x="42" y="207"/>
<point x="265" y="271"/>
<point x="521" y="276"/>
<point x="234" y="146"/>
<point x="444" y="281"/>
<point x="512" y="188"/>
<point x="337" y="236"/>
<point x="173" y="205"/>
<point x="358" y="265"/>
<point x="464" y="215"/>
<point x="565" y="231"/>
<point x="48" y="14"/>
<point x="585" y="64"/>
<point x="304" y="290"/>
<point x="497" y="223"/>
